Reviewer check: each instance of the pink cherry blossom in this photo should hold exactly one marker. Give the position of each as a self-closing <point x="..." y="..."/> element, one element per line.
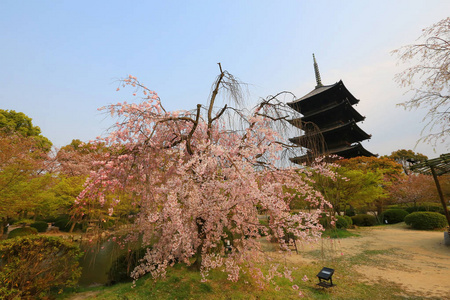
<point x="199" y="182"/>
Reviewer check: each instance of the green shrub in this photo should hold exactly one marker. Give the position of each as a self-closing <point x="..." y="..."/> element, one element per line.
<point x="364" y="220"/>
<point x="350" y="212"/>
<point x="431" y="208"/>
<point x="349" y="220"/>
<point x="426" y="220"/>
<point x="64" y="223"/>
<point x="339" y="222"/>
<point x="22" y="231"/>
<point x="342" y="223"/>
<point x="41" y="226"/>
<point x="393" y="216"/>
<point x="325" y="222"/>
<point x="31" y="266"/>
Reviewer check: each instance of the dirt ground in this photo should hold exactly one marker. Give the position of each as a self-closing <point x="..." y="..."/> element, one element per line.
<point x="418" y="261"/>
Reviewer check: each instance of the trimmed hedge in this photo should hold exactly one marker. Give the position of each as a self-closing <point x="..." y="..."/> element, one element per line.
<point x="349" y="220"/>
<point x="426" y="220"/>
<point x="325" y="222"/>
<point x="430" y="208"/>
<point x="350" y="212"/>
<point x="31" y="266"/>
<point x="364" y="220"/>
<point x="393" y="216"/>
<point x="342" y="222"/>
<point x="41" y="226"/>
<point x="22" y="231"/>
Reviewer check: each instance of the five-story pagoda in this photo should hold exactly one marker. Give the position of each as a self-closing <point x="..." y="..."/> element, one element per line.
<point x="329" y="122"/>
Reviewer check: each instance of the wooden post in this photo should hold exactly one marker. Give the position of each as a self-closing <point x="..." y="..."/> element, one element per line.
<point x="441" y="196"/>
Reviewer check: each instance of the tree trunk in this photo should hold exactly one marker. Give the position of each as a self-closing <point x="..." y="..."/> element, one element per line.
<point x="72" y="227"/>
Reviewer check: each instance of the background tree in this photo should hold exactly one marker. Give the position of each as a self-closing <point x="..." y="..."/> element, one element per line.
<point x="414" y="189"/>
<point x="403" y="154"/>
<point x="25" y="167"/>
<point x="198" y="181"/>
<point x="352" y="187"/>
<point x="406" y="158"/>
<point x="22" y="177"/>
<point x="75" y="162"/>
<point x="383" y="168"/>
<point x="12" y="122"/>
<point x="428" y="79"/>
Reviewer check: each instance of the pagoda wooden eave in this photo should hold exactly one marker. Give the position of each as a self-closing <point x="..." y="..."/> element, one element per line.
<point x="332" y="133"/>
<point x="352" y="151"/>
<point x="321" y="93"/>
<point x="349" y="151"/>
<point x="343" y="106"/>
<point x="329" y="113"/>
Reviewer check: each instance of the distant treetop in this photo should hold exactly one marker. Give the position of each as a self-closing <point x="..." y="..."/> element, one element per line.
<point x="403" y="154"/>
<point x="13" y="122"/>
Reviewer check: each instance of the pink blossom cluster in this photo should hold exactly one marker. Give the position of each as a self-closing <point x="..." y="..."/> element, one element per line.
<point x="199" y="184"/>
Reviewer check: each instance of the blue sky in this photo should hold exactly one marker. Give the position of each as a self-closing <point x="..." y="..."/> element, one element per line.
<point x="59" y="60"/>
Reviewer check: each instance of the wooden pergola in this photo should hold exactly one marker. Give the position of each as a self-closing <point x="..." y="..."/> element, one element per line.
<point x="436" y="167"/>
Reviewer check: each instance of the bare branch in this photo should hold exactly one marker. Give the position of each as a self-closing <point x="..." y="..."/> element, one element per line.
<point x="432" y="71"/>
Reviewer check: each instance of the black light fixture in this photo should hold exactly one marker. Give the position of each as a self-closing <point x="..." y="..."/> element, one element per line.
<point x="325" y="277"/>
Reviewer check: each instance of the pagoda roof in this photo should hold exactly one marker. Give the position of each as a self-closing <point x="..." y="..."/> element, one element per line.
<point x="334" y="132"/>
<point x="347" y="151"/>
<point x="314" y="92"/>
<point x="329" y="113"/>
<point x="351" y="151"/>
<point x="337" y="106"/>
<point x="324" y="92"/>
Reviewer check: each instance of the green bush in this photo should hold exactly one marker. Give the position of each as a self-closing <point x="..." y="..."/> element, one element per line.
<point x="364" y="220"/>
<point x="393" y="216"/>
<point x="342" y="223"/>
<point x="349" y="220"/>
<point x="350" y="212"/>
<point x="426" y="220"/>
<point x="22" y="231"/>
<point x="31" y="266"/>
<point x="325" y="222"/>
<point x="339" y="222"/>
<point x="430" y="208"/>
<point x="64" y="223"/>
<point x="41" y="226"/>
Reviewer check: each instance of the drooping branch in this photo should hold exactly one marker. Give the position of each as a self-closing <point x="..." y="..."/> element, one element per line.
<point x="431" y="69"/>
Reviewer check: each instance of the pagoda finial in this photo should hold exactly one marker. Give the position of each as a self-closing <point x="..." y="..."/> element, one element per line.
<point x="316" y="70"/>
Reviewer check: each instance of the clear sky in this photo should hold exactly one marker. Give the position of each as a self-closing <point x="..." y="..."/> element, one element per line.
<point x="59" y="60"/>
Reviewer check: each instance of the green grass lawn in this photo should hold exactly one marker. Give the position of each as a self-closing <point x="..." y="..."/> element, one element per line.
<point x="338" y="233"/>
<point x="184" y="283"/>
